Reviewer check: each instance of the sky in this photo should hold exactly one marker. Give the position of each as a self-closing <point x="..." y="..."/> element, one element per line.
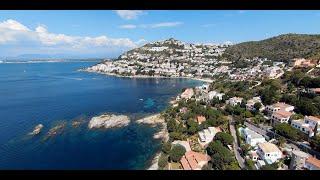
<point x="109" y="33"/>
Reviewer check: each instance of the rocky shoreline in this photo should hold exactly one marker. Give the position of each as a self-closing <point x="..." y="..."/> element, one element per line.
<point x="147" y="77"/>
<point x="162" y="134"/>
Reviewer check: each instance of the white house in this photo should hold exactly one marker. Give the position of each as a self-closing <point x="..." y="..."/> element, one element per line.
<point x="252" y="138"/>
<point x="234" y="101"/>
<point x="309" y="125"/>
<point x="279" y="106"/>
<point x="215" y="94"/>
<point x="269" y="152"/>
<point x="207" y="135"/>
<point x="251" y="102"/>
<point x="280" y="117"/>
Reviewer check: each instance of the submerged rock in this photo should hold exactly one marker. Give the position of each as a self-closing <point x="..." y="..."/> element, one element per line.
<point x="77" y="123"/>
<point x="36" y="130"/>
<point x="108" y="121"/>
<point x="56" y="130"/>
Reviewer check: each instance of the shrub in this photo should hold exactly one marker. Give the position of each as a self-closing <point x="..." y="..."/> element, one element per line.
<point x="177" y="152"/>
<point x="163" y="160"/>
<point x="225" y="138"/>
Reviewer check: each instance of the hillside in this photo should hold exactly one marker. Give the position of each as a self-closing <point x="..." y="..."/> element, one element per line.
<point x="279" y="48"/>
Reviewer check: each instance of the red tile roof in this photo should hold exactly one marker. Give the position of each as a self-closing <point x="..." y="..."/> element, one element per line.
<point x="191" y="160"/>
<point x="313" y="161"/>
<point x="282" y="114"/>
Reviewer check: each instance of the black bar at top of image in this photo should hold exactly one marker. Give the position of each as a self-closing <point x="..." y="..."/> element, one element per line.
<point x="159" y="4"/>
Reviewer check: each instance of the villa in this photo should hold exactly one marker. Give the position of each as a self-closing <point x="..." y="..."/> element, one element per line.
<point x="194" y="160"/>
<point x="279" y="106"/>
<point x="234" y="101"/>
<point x="269" y="152"/>
<point x="309" y="125"/>
<point x="280" y="117"/>
<point x="312" y="163"/>
<point x="252" y="138"/>
<point x="215" y="94"/>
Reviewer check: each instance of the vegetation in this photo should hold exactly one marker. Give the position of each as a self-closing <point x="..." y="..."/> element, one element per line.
<point x="283" y="48"/>
<point x="177" y="152"/>
<point x="221" y="157"/>
<point x="286" y="130"/>
<point x="273" y="166"/>
<point x="249" y="164"/>
<point x="166" y="147"/>
<point x="163" y="161"/>
<point x="225" y="138"/>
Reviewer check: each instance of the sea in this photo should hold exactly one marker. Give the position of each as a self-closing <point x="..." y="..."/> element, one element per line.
<point x="53" y="93"/>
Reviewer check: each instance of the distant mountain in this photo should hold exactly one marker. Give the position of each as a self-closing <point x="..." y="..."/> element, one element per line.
<point x="24" y="57"/>
<point x="279" y="48"/>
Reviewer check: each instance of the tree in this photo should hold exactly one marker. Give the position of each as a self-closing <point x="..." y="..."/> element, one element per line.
<point x="172" y="125"/>
<point x="163" y="160"/>
<point x="225" y="138"/>
<point x="220" y="155"/>
<point x="193" y="126"/>
<point x="166" y="147"/>
<point x="286" y="130"/>
<point x="177" y="152"/>
<point x="246" y="114"/>
<point x="257" y="106"/>
<point x="250" y="164"/>
<point x="176" y="136"/>
<point x="282" y="140"/>
<point x="273" y="166"/>
<point x="245" y="149"/>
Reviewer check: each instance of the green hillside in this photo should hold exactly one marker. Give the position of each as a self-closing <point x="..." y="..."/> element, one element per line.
<point x="279" y="48"/>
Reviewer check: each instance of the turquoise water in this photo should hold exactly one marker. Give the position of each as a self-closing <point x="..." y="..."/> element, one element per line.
<point x="55" y="93"/>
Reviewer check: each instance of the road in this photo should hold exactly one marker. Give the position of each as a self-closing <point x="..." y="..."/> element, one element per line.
<point x="236" y="148"/>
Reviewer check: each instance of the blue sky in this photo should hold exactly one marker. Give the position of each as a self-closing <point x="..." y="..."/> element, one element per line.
<point x="109" y="33"/>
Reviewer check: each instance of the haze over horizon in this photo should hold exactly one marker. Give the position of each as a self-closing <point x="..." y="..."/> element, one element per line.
<point x="107" y="34"/>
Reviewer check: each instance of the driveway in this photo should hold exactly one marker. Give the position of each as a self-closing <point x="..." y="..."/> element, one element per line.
<point x="236" y="148"/>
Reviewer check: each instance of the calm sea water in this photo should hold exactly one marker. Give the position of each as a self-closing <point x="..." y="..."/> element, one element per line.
<point x="52" y="93"/>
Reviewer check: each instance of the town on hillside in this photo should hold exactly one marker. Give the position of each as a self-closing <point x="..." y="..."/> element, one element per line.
<point x="257" y="113"/>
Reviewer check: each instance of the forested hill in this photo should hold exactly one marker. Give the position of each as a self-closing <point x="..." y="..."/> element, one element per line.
<point x="279" y="48"/>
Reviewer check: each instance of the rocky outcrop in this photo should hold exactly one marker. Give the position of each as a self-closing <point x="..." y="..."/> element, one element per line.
<point x="108" y="121"/>
<point x="36" y="130"/>
<point x="153" y="121"/>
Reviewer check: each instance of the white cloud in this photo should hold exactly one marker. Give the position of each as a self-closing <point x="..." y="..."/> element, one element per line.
<point x="156" y="25"/>
<point x="166" y="24"/>
<point x="128" y="26"/>
<point x="129" y="14"/>
<point x="12" y="31"/>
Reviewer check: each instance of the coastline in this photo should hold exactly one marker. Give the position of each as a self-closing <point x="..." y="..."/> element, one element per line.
<point x="148" y="77"/>
<point x="154" y="119"/>
<point x="162" y="133"/>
